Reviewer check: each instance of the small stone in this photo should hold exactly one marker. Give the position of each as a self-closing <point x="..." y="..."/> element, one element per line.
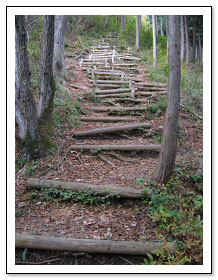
<point x="21" y="204"/>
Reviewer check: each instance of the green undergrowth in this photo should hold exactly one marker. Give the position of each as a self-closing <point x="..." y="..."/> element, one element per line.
<point x="85" y="197"/>
<point x="177" y="210"/>
<point x="67" y="108"/>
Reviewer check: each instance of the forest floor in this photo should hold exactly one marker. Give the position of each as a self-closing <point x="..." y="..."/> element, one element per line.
<point x="119" y="219"/>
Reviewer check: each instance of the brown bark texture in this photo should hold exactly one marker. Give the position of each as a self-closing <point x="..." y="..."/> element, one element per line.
<point x="169" y="141"/>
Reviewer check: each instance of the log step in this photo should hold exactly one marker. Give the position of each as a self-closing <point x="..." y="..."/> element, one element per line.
<point x="117" y="109"/>
<point x="108" y="91"/>
<point x="89" y="245"/>
<point x="101" y="190"/>
<point x="106" y="119"/>
<point x="113" y="129"/>
<point x="128" y="148"/>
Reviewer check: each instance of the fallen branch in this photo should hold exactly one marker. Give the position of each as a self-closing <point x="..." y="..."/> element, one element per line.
<point x="113" y="129"/>
<point x="77" y="57"/>
<point x="121" y="158"/>
<point x="78" y="186"/>
<point x="90" y="245"/>
<point x="80" y="87"/>
<point x="103" y="158"/>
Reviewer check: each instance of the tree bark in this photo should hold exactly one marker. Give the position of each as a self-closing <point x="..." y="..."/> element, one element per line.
<point x="34" y="122"/>
<point x="194" y="38"/>
<point x="138" y="27"/>
<point x="59" y="41"/>
<point x="161" y="26"/>
<point x="122" y="22"/>
<point x="187" y="40"/>
<point x="154" y="42"/>
<point x="106" y="22"/>
<point x="90" y="245"/>
<point x="199" y="47"/>
<point x="169" y="141"/>
<point x="182" y="39"/>
<point x="27" y="117"/>
<point x="157" y="26"/>
<point x="87" y="22"/>
<point x="113" y="129"/>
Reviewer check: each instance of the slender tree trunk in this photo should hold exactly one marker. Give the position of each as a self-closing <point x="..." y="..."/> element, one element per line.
<point x="87" y="22"/>
<point x="199" y="47"/>
<point x="157" y="27"/>
<point x="154" y="41"/>
<point x="187" y="40"/>
<point x="122" y="22"/>
<point x="138" y="25"/>
<point x="169" y="142"/>
<point x="182" y="39"/>
<point x="161" y="26"/>
<point x="194" y="38"/>
<point x="116" y="20"/>
<point x="59" y="40"/>
<point x="106" y="22"/>
<point x="26" y="118"/>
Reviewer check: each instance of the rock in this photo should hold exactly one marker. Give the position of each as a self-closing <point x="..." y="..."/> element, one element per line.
<point x="21" y="204"/>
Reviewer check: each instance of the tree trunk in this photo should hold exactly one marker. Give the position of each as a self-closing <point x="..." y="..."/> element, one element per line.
<point x="87" y="22"/>
<point x="154" y="41"/>
<point x="26" y="115"/>
<point x="156" y="23"/>
<point x="59" y="40"/>
<point x="122" y="22"/>
<point x="187" y="40"/>
<point x="182" y="39"/>
<point x="194" y="38"/>
<point x="90" y="245"/>
<point x="106" y="22"/>
<point x="116" y="20"/>
<point x="199" y="47"/>
<point x="35" y="123"/>
<point x="161" y="26"/>
<point x="169" y="141"/>
<point x="138" y="27"/>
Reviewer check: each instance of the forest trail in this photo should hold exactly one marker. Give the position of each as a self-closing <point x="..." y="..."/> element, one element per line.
<point x="120" y="95"/>
<point x="96" y="188"/>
